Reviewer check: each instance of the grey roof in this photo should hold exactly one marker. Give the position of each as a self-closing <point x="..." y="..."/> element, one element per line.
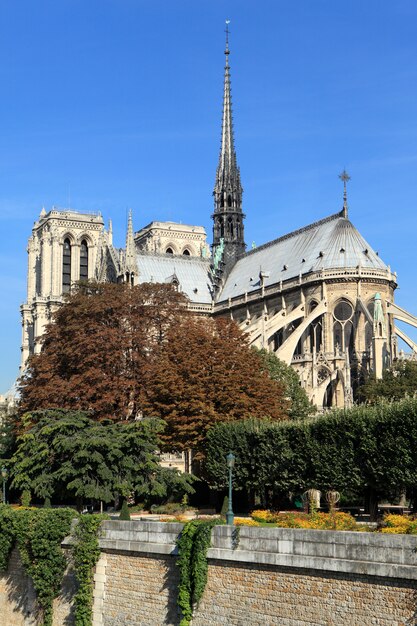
<point x="192" y="273"/>
<point x="328" y="244"/>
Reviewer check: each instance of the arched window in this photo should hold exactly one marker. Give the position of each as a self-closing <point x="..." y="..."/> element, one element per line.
<point x="231" y="227"/>
<point x="343" y="335"/>
<point x="229" y="200"/>
<point x="83" y="260"/>
<point x="186" y="252"/>
<point x="315" y="332"/>
<point x="169" y="251"/>
<point x="221" y="227"/>
<point x="66" y="267"/>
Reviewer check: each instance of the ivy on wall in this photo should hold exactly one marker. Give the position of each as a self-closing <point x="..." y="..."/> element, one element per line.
<point x="38" y="534"/>
<point x="86" y="553"/>
<point x="193" y="543"/>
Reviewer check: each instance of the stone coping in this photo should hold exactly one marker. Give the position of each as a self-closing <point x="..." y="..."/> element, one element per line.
<point x="372" y="554"/>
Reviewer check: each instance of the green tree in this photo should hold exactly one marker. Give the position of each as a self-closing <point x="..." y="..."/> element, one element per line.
<point x="272" y="459"/>
<point x="397" y="382"/>
<point x="68" y="453"/>
<point x="371" y="450"/>
<point x="299" y="404"/>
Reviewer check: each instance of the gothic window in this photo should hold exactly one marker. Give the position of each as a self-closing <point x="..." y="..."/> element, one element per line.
<point x="66" y="267"/>
<point x="237" y="228"/>
<point x="229" y="200"/>
<point x="222" y="200"/>
<point x="231" y="227"/>
<point x="169" y="251"/>
<point x="315" y="332"/>
<point x="343" y="335"/>
<point x="186" y="252"/>
<point x="221" y="227"/>
<point x="369" y="328"/>
<point x="83" y="260"/>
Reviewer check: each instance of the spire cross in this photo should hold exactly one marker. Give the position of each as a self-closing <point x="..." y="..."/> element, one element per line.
<point x="227" y="36"/>
<point x="344" y="176"/>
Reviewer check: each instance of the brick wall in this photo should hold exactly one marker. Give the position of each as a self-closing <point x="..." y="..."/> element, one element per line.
<point x="251" y="595"/>
<point x="257" y="577"/>
<point x="140" y="589"/>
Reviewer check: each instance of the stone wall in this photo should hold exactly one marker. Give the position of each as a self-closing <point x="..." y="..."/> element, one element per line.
<point x="257" y="576"/>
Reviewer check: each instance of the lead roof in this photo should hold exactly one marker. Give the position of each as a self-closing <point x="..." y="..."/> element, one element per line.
<point x="331" y="243"/>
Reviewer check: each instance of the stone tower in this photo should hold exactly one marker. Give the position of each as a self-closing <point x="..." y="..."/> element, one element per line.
<point x="228" y="230"/>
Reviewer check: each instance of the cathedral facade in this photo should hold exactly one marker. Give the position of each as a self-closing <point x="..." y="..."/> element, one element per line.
<point x="320" y="297"/>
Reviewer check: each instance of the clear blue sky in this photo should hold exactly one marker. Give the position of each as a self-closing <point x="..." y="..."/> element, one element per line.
<point x="112" y="104"/>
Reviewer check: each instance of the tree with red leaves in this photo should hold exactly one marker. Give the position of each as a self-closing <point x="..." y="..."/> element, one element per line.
<point x="96" y="351"/>
<point x="123" y="352"/>
<point x="206" y="373"/>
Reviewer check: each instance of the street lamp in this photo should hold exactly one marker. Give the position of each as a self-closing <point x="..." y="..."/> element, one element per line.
<point x="4" y="473"/>
<point x="230" y="464"/>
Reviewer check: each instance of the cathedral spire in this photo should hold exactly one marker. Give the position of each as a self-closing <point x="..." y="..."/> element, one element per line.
<point x="130" y="265"/>
<point x="228" y="216"/>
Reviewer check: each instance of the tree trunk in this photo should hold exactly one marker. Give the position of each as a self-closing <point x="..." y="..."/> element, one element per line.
<point x="371" y="504"/>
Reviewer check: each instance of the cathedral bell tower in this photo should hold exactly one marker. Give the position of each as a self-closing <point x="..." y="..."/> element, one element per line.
<point x="228" y="231"/>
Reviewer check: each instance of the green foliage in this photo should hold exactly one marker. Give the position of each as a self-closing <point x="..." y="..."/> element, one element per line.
<point x="124" y="512"/>
<point x="397" y="382"/>
<point x="25" y="498"/>
<point x="193" y="544"/>
<point x="300" y="406"/>
<point x="86" y="554"/>
<point x="67" y="453"/>
<point x="7" y="534"/>
<point x="47" y="504"/>
<point x="366" y="449"/>
<point x="39" y="534"/>
<point x="225" y="506"/>
<point x="7" y="437"/>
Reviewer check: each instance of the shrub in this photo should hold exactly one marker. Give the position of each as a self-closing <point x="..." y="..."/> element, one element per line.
<point x="124" y="512"/>
<point x="399" y="524"/>
<point x="264" y="516"/>
<point x="25" y="498"/>
<point x="244" y="521"/>
<point x="317" y="521"/>
<point x="225" y="506"/>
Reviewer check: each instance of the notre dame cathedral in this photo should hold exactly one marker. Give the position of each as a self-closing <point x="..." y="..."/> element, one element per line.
<point x="319" y="297"/>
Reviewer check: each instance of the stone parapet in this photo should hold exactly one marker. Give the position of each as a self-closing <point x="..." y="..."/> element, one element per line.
<point x="373" y="554"/>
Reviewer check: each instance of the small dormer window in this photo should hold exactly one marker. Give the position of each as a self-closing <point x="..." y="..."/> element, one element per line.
<point x="321" y="254"/>
<point x="284" y="268"/>
<point x="342" y="250"/>
<point x="303" y="260"/>
<point x="169" y="251"/>
<point x="366" y="251"/>
<point x="186" y="252"/>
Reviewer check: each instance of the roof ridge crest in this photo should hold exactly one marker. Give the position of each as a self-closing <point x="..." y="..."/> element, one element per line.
<point x="293" y="233"/>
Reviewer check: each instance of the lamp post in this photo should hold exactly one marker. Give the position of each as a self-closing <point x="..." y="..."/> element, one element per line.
<point x="4" y="476"/>
<point x="230" y="464"/>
